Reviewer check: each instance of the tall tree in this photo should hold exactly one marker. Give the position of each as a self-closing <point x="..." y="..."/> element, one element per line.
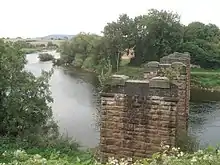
<point x="120" y="35"/>
<point x="158" y="34"/>
<point x="202" y="41"/>
<point x="23" y="97"/>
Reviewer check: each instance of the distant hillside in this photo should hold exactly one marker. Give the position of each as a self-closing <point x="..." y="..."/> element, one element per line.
<point x="57" y="36"/>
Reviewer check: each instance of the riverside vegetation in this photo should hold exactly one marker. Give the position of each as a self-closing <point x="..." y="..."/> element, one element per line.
<point x="32" y="46"/>
<point x="129" y="43"/>
<point x="28" y="133"/>
<point x="45" y="57"/>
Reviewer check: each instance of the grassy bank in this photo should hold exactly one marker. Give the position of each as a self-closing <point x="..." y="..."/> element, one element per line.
<point x="31" y="50"/>
<point x="15" y="152"/>
<point x="207" y="79"/>
<point x="59" y="151"/>
<point x="200" y="78"/>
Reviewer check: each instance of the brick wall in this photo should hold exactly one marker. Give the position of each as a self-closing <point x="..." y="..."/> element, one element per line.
<point x="183" y="85"/>
<point x="137" y="120"/>
<point x="138" y="115"/>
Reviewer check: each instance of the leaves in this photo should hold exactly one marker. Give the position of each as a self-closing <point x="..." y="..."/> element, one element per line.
<point x="23" y="97"/>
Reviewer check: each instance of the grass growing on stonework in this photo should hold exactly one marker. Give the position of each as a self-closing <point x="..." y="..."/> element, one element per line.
<point x="201" y="78"/>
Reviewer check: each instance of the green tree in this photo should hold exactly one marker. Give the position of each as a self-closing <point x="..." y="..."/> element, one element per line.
<point x="119" y="36"/>
<point x="24" y="98"/>
<point x="50" y="44"/>
<point x="157" y="34"/>
<point x="202" y="41"/>
<point x="151" y="36"/>
<point x="80" y="48"/>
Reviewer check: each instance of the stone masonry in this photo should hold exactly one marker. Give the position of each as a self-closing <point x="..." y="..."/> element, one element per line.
<point x="184" y="87"/>
<point x="137" y="115"/>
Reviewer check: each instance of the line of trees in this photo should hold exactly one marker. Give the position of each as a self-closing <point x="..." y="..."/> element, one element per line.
<point x="153" y="36"/>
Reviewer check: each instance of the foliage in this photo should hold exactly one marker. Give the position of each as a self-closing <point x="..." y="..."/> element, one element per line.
<point x="172" y="73"/>
<point x="52" y="150"/>
<point x="201" y="41"/>
<point x="52" y="45"/>
<point x="207" y="79"/>
<point x="45" y="57"/>
<point x="22" y="44"/>
<point x="105" y="74"/>
<point x="49" y="44"/>
<point x="24" y="98"/>
<point x="31" y="50"/>
<point x="168" y="156"/>
<point x="87" y="51"/>
<point x="132" y="72"/>
<point x="150" y="37"/>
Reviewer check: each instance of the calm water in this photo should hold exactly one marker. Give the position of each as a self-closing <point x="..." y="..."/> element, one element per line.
<point x="76" y="103"/>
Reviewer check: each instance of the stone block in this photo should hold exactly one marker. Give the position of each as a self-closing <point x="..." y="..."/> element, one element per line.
<point x="179" y="65"/>
<point x="165" y="66"/>
<point x="152" y="66"/>
<point x="145" y="112"/>
<point x="159" y="82"/>
<point x="136" y="87"/>
<point x="117" y="80"/>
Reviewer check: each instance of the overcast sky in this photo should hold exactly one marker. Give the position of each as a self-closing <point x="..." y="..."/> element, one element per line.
<point x="36" y="18"/>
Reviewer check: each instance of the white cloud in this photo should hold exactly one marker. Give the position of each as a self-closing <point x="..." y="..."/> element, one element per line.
<point x="31" y="18"/>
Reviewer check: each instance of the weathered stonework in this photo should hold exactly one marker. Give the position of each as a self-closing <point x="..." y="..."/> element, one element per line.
<point x="137" y="115"/>
<point x="137" y="120"/>
<point x="184" y="86"/>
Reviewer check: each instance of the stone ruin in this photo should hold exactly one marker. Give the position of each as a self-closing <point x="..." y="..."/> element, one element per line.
<point x="138" y="115"/>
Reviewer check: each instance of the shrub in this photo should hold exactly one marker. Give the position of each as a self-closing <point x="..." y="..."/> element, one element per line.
<point x="169" y="156"/>
<point x="24" y="98"/>
<point x="45" y="57"/>
<point x="78" y="62"/>
<point x="89" y="63"/>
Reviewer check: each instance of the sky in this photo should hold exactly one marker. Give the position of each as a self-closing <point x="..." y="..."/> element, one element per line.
<point x="37" y="18"/>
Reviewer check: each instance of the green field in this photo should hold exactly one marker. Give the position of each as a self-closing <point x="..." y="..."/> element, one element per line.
<point x="201" y="78"/>
<point x="37" y="41"/>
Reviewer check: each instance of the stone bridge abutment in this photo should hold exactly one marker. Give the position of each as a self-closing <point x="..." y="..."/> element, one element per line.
<point x="138" y="115"/>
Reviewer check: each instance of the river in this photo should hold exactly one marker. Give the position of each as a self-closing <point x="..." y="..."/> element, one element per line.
<point x="76" y="106"/>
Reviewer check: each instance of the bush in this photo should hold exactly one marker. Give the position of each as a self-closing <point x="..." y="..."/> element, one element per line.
<point x="45" y="57"/>
<point x="89" y="63"/>
<point x="169" y="156"/>
<point x="24" y="99"/>
<point x="78" y="62"/>
<point x="22" y="151"/>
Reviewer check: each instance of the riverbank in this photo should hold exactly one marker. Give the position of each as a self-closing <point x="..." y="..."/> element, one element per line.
<point x="205" y="79"/>
<point x="36" y="50"/>
<point x="17" y="151"/>
<point x="13" y="152"/>
<point x="200" y="78"/>
<point x="77" y="91"/>
<point x="31" y="50"/>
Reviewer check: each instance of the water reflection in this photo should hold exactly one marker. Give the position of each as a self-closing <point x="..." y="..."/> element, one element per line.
<point x="75" y="104"/>
<point x="204" y="122"/>
<point x="198" y="95"/>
